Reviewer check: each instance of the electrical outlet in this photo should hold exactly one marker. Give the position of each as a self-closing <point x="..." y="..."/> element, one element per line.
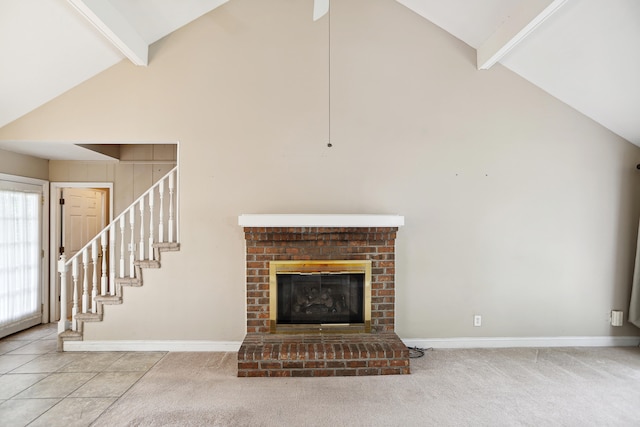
<point x="477" y="320"/>
<point x="617" y="318"/>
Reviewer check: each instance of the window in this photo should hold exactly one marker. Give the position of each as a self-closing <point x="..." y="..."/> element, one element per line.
<point x="20" y="256"/>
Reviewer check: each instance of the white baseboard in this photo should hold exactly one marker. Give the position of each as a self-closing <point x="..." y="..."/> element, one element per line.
<point x="506" y="342"/>
<point x="167" y="345"/>
<point x="499" y="342"/>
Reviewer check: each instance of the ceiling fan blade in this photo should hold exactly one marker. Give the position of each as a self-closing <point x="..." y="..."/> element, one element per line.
<point x="320" y="8"/>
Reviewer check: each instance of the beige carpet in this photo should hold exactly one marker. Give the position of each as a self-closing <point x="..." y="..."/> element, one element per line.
<point x="488" y="387"/>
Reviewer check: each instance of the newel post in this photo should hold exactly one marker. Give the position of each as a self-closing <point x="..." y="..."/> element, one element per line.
<point x="62" y="270"/>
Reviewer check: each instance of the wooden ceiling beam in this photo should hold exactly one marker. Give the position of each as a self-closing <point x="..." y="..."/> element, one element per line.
<point x="110" y="22"/>
<point x="516" y="28"/>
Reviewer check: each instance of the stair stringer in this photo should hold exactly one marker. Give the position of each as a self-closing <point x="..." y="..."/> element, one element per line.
<point x="117" y="299"/>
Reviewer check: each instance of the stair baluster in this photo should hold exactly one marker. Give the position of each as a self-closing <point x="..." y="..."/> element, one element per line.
<point x="112" y="261"/>
<point x="141" y="228"/>
<point x="74" y="309"/>
<point x="171" y="189"/>
<point x="151" y="239"/>
<point x="62" y="269"/>
<point x="94" y="283"/>
<point x="103" y="260"/>
<point x="122" y="246"/>
<point x="132" y="248"/>
<point x="85" y="280"/>
<point x="161" y="212"/>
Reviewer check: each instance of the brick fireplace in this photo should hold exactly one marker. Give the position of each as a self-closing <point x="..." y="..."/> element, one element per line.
<point x="321" y="350"/>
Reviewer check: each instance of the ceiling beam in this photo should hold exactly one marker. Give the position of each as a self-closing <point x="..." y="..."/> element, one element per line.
<point x="110" y="22"/>
<point x="516" y="28"/>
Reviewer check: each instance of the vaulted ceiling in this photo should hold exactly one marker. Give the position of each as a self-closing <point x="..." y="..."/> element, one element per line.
<point x="586" y="53"/>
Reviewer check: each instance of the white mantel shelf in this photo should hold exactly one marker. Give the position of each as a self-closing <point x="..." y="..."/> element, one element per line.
<point x="319" y="220"/>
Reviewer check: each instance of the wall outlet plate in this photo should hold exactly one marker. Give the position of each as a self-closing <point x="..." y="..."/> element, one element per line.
<point x="617" y="317"/>
<point x="477" y="320"/>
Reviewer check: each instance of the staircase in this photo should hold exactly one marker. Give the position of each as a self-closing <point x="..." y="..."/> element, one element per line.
<point x="116" y="257"/>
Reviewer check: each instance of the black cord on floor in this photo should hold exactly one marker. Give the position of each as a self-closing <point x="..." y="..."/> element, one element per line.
<point x="416" y="352"/>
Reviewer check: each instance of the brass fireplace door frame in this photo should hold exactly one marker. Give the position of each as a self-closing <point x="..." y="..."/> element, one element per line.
<point x="319" y="267"/>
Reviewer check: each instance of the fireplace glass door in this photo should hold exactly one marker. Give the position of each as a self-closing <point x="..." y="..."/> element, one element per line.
<point x="320" y="299"/>
<point x="320" y="296"/>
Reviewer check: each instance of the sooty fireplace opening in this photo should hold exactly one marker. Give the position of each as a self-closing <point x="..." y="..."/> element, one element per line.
<point x="321" y="296"/>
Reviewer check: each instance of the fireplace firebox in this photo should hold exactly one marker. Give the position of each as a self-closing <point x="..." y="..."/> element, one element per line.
<point x="320" y="299"/>
<point x="320" y="296"/>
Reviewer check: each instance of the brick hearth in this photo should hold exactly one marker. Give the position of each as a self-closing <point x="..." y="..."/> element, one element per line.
<point x="321" y="354"/>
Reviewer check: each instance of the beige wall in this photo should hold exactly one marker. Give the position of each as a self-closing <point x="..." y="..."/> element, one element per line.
<point x="517" y="207"/>
<point x="23" y="165"/>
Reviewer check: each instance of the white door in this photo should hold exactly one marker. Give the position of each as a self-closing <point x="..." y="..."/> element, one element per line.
<point x="21" y="256"/>
<point x="83" y="217"/>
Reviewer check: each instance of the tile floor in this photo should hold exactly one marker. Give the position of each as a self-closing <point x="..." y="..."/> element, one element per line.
<point x="40" y="386"/>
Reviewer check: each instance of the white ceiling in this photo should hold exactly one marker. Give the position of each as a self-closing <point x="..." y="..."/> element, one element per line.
<point x="591" y="52"/>
<point x="587" y="53"/>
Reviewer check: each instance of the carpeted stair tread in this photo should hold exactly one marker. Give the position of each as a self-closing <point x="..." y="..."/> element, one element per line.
<point x="129" y="281"/>
<point x="109" y="299"/>
<point x="167" y="246"/>
<point x="147" y="263"/>
<point x="70" y="335"/>
<point x="89" y="317"/>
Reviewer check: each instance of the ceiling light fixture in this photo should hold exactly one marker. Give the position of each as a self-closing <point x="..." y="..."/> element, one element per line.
<point x="320" y="8"/>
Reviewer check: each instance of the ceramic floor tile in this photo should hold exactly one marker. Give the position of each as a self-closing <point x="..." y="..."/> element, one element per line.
<point x="92" y="362"/>
<point x="12" y="384"/>
<point x="56" y="385"/>
<point x="7" y="346"/>
<point x="52" y="335"/>
<point x="47" y="363"/>
<point x="10" y="362"/>
<point x="37" y="347"/>
<point x="34" y="333"/>
<point x="136" y="362"/>
<point x="20" y="412"/>
<point x="72" y="412"/>
<point x="108" y="384"/>
<point x="187" y="360"/>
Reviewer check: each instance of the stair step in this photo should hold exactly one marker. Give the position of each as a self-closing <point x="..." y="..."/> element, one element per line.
<point x="89" y="317"/>
<point x="109" y="299"/>
<point x="167" y="246"/>
<point x="70" y="335"/>
<point x="128" y="281"/>
<point x="147" y="263"/>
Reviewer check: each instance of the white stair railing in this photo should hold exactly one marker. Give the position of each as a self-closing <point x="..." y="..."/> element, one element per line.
<point x="102" y="260"/>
